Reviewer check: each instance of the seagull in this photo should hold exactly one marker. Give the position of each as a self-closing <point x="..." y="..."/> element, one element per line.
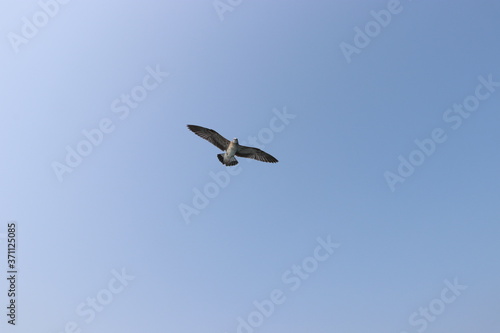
<point x="231" y="148"/>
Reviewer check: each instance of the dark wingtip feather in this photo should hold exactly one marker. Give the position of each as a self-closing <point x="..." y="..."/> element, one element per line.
<point x="192" y="128"/>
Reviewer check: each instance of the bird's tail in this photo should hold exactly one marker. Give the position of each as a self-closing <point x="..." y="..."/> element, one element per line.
<point x="227" y="161"/>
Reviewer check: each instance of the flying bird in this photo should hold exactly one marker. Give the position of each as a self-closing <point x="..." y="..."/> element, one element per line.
<point x="231" y="148"/>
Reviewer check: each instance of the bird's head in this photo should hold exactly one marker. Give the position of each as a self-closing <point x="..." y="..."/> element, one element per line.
<point x="235" y="140"/>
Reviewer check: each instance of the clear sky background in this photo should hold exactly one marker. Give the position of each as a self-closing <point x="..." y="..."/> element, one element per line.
<point x="350" y="119"/>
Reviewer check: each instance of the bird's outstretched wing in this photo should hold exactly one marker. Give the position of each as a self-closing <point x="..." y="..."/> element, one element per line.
<point x="210" y="135"/>
<point x="256" y="154"/>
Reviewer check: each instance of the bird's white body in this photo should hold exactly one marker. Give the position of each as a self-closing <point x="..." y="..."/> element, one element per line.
<point x="232" y="149"/>
<point x="228" y="157"/>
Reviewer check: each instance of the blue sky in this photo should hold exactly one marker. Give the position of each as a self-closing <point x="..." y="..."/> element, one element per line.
<point x="357" y="228"/>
